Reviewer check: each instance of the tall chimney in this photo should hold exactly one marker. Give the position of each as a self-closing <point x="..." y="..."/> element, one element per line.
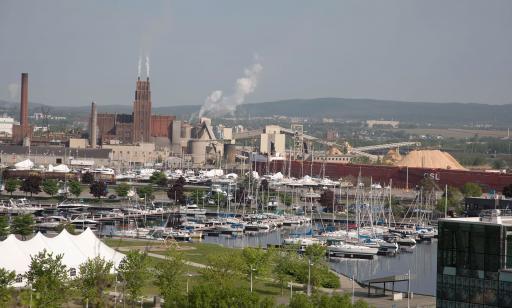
<point x="24" y="101"/>
<point x="93" y="124"/>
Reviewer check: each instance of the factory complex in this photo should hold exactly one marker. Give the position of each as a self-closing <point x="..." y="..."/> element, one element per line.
<point x="125" y="142"/>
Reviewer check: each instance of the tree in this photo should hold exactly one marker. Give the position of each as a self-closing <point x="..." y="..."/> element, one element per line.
<point x="471" y="190"/>
<point x="68" y="226"/>
<point x="169" y="278"/>
<point x="98" y="189"/>
<point x="48" y="277"/>
<point x="11" y="185"/>
<point x="264" y="185"/>
<point x="94" y="279"/>
<point x="286" y="199"/>
<point x="75" y="188"/>
<point x="7" y="278"/>
<point x="4" y="226"/>
<point x="507" y="191"/>
<point x="158" y="178"/>
<point x="23" y="225"/>
<point x="87" y="178"/>
<point x="255" y="261"/>
<point x="175" y="192"/>
<point x="327" y="199"/>
<point x="134" y="273"/>
<point x="214" y="296"/>
<point x="31" y="185"/>
<point x="50" y="186"/>
<point x="223" y="269"/>
<point x="428" y="184"/>
<point x="315" y="252"/>
<point x="499" y="164"/>
<point x="454" y="199"/>
<point x="280" y="268"/>
<point x="197" y="196"/>
<point x="122" y="189"/>
<point x="145" y="192"/>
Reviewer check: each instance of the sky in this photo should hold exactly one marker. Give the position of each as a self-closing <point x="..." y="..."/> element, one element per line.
<point x="412" y="50"/>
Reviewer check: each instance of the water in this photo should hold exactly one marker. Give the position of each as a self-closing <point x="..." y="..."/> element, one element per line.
<point x="258" y="240"/>
<point x="422" y="263"/>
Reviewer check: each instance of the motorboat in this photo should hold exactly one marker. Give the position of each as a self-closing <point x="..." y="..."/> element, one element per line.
<point x="72" y="205"/>
<point x="344" y="250"/>
<point x="406" y="244"/>
<point x="192" y="209"/>
<point x="19" y="206"/>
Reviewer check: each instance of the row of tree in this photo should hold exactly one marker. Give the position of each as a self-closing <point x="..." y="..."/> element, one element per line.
<point x="35" y="184"/>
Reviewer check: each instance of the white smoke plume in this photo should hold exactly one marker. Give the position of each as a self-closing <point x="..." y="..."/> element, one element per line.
<point x="216" y="104"/>
<point x="147" y="66"/>
<point x="139" y="67"/>
<point x="14" y="90"/>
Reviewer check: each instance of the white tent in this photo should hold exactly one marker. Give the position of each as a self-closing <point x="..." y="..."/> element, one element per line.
<point x="76" y="249"/>
<point x="27" y="164"/>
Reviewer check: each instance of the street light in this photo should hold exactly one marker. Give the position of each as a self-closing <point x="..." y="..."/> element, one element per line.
<point x="252" y="270"/>
<point x="188" y="277"/>
<point x="309" y="276"/>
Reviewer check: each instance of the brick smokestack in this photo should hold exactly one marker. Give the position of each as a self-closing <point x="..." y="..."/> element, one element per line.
<point x="24" y="101"/>
<point x="93" y="124"/>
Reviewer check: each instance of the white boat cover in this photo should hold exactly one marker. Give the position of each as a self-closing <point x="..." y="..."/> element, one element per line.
<point x="277" y="176"/>
<point x="76" y="249"/>
<point x="60" y="168"/>
<point x="232" y="176"/>
<point x="214" y="173"/>
<point x="27" y="164"/>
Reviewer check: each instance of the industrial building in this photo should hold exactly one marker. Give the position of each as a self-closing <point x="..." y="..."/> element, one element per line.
<point x="199" y="141"/>
<point x="125" y="156"/>
<point x="138" y="127"/>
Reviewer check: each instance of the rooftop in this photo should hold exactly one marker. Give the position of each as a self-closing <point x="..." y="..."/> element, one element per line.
<point x="55" y="151"/>
<point x="495" y="217"/>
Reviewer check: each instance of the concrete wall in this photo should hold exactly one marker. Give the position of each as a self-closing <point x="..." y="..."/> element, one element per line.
<point x="126" y="155"/>
<point x="78" y="143"/>
<point x="267" y="139"/>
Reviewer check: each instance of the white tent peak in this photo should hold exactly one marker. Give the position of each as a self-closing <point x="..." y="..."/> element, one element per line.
<point x="76" y="249"/>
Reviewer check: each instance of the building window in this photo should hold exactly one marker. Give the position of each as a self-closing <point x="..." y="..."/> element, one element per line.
<point x="19" y="278"/>
<point x="72" y="272"/>
<point x="58" y="160"/>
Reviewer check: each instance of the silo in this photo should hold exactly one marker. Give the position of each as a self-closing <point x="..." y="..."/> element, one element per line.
<point x="197" y="149"/>
<point x="229" y="153"/>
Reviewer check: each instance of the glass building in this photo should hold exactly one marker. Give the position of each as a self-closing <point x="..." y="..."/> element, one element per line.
<point x="474" y="261"/>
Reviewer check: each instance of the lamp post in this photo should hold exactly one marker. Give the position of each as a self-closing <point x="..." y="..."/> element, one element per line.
<point x="188" y="277"/>
<point x="252" y="270"/>
<point x="309" y="277"/>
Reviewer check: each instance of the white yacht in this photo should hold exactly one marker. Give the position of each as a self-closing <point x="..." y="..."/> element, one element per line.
<point x="192" y="209"/>
<point x="341" y="249"/>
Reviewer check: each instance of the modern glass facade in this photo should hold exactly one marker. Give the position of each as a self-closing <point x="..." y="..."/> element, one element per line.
<point x="474" y="264"/>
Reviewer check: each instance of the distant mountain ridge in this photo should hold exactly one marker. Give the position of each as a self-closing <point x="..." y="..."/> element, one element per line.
<point x="336" y="108"/>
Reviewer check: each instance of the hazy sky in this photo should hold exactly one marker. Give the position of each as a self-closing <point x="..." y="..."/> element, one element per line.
<point x="435" y="50"/>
